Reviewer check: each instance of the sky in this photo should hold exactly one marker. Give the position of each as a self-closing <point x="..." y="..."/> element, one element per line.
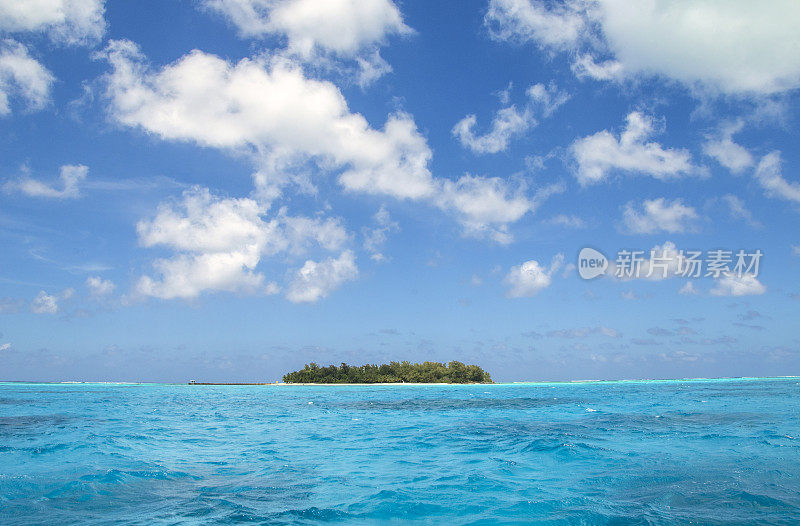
<point x="224" y="190"/>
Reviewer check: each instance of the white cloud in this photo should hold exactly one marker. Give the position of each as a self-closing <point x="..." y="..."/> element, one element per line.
<point x="370" y="68"/>
<point x="523" y="20"/>
<point x="600" y="154"/>
<point x="659" y="215"/>
<point x="220" y="242"/>
<point x="316" y="29"/>
<point x="509" y="122"/>
<point x="586" y="66"/>
<point x="44" y="303"/>
<point x="567" y="221"/>
<point x="698" y="43"/>
<point x="375" y="237"/>
<point x="796" y="250"/>
<point x="732" y="156"/>
<point x="202" y="222"/>
<point x="530" y="278"/>
<point x="71" y="176"/>
<point x="733" y="285"/>
<point x="768" y="174"/>
<point x="22" y="77"/>
<point x="486" y="205"/>
<point x="739" y="210"/>
<point x="270" y="111"/>
<point x="549" y="98"/>
<point x="315" y="280"/>
<point x="704" y="42"/>
<point x="688" y="289"/>
<point x="99" y="288"/>
<point x="344" y="27"/>
<point x="5" y="347"/>
<point x="64" y="21"/>
<point x="189" y="275"/>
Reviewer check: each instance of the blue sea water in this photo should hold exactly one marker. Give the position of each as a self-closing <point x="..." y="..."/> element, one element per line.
<point x="705" y="452"/>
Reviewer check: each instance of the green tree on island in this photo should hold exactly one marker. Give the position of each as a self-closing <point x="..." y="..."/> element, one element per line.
<point x="393" y="372"/>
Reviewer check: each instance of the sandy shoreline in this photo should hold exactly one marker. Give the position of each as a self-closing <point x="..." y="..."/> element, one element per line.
<point x="280" y="384"/>
<point x="533" y="382"/>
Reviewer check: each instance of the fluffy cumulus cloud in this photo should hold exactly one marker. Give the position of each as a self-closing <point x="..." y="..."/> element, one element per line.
<point x="344" y="27"/>
<point x="738" y="285"/>
<point x="188" y="275"/>
<point x="315" y="280"/>
<point x="316" y="29"/>
<point x="659" y="215"/>
<point x="599" y="155"/>
<point x="64" y="21"/>
<point x="271" y="111"/>
<point x="703" y="42"/>
<point x="559" y="27"/>
<point x="485" y="206"/>
<point x="529" y="278"/>
<point x="22" y="78"/>
<point x="769" y="175"/>
<point x="726" y="152"/>
<point x="219" y="243"/>
<point x="585" y="66"/>
<point x="547" y="99"/>
<point x="698" y="43"/>
<point x="509" y="122"/>
<point x="100" y="288"/>
<point x="70" y="179"/>
<point x="45" y="303"/>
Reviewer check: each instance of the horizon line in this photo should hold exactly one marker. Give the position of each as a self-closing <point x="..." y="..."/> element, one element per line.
<point x="400" y="384"/>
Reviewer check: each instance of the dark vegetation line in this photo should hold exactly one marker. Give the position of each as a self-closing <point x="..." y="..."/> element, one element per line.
<point x="393" y="372"/>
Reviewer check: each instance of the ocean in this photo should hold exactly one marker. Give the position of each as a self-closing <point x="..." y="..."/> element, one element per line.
<point x="644" y="452"/>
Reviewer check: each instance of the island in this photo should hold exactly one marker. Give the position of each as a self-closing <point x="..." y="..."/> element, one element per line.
<point x="391" y="373"/>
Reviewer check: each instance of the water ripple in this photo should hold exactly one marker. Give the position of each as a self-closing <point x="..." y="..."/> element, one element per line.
<point x="646" y="453"/>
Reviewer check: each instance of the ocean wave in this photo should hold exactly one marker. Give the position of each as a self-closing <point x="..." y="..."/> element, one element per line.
<point x="650" y="454"/>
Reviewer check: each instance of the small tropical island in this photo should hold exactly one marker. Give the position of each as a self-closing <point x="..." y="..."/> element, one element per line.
<point x="391" y="373"/>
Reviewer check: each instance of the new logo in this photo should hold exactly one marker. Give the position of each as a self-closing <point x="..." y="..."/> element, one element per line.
<point x="591" y="263"/>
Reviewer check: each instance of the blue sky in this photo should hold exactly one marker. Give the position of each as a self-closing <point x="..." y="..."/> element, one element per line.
<point x="227" y="189"/>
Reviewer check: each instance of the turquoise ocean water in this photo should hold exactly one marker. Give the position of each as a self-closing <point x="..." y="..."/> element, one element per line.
<point x="707" y="452"/>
